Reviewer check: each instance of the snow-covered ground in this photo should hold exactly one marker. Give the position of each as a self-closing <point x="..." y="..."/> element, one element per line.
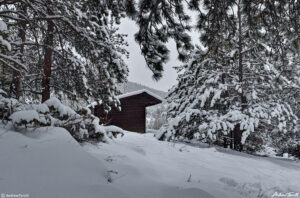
<point x="141" y="166"/>
<point x="50" y="163"/>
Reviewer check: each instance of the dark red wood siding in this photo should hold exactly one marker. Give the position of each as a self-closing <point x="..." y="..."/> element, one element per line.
<point x="132" y="116"/>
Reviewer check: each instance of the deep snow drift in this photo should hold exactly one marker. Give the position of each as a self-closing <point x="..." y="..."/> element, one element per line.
<point x="49" y="163"/>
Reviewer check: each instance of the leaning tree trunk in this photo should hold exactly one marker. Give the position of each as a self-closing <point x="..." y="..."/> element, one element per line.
<point x="48" y="61"/>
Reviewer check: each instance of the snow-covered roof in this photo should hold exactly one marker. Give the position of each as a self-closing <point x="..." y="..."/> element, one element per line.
<point x="126" y="95"/>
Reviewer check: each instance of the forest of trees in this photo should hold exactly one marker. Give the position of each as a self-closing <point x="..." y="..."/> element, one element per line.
<point x="245" y="78"/>
<point x="72" y="50"/>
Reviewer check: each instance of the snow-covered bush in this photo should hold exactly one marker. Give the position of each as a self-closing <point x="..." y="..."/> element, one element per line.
<point x="81" y="124"/>
<point x="60" y="111"/>
<point x="293" y="150"/>
<point x="29" y="118"/>
<point x="255" y="142"/>
<point x="7" y="106"/>
<point x="286" y="143"/>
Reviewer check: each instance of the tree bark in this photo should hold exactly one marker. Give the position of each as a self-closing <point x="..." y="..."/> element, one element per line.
<point x="15" y="89"/>
<point x="240" y="48"/>
<point x="17" y="75"/>
<point x="48" y="60"/>
<point x="237" y="131"/>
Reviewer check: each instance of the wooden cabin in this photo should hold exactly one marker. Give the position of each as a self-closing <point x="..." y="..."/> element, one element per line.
<point x="132" y="116"/>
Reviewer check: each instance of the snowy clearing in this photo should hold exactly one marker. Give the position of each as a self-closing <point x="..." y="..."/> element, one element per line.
<point x="48" y="162"/>
<point x="141" y="166"/>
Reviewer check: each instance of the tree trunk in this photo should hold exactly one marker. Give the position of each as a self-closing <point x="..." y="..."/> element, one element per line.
<point x="240" y="43"/>
<point x="17" y="75"/>
<point x="48" y="61"/>
<point x="15" y="88"/>
<point x="237" y="131"/>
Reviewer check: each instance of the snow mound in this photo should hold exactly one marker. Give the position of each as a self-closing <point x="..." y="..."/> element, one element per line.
<point x="49" y="163"/>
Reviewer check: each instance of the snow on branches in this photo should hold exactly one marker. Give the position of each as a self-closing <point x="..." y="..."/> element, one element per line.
<point x="81" y="124"/>
<point x="244" y="78"/>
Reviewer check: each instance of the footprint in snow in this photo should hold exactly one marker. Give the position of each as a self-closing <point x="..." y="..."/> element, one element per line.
<point x="228" y="181"/>
<point x="245" y="189"/>
<point x="139" y="150"/>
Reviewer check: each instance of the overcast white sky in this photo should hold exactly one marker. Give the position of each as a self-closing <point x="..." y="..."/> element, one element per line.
<point x="138" y="70"/>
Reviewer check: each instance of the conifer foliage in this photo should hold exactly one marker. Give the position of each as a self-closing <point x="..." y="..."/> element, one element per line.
<point x="160" y="20"/>
<point x="64" y="48"/>
<point x="72" y="48"/>
<point x="246" y="77"/>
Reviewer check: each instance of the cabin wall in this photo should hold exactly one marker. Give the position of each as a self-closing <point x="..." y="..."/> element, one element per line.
<point x="132" y="117"/>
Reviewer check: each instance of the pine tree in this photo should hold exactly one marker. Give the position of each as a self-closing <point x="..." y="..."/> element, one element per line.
<point x="103" y="57"/>
<point x="69" y="46"/>
<point x="233" y="85"/>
